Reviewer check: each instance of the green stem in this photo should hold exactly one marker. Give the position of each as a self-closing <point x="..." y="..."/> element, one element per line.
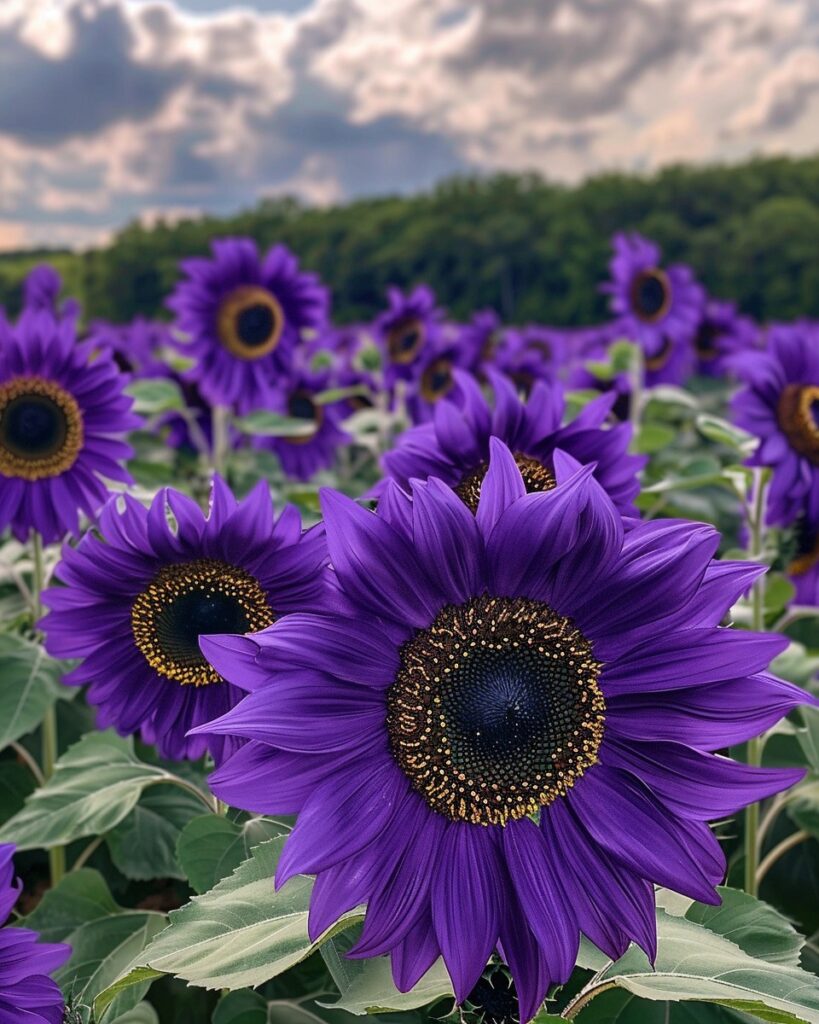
<point x="636" y="377"/>
<point x="51" y="749"/>
<point x="779" y="851"/>
<point x="221" y="438"/>
<point x="755" y="745"/>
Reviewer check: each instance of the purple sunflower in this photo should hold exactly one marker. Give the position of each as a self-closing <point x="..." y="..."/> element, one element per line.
<point x="244" y="315"/>
<point x="404" y="331"/>
<point x="27" y="994"/>
<point x="454" y="447"/>
<point x="529" y="354"/>
<point x="137" y="598"/>
<point x="303" y="455"/>
<point x="659" y="308"/>
<point x="780" y="405"/>
<point x="437" y="372"/>
<point x="508" y="719"/>
<point x="479" y="339"/>
<point x="41" y="292"/>
<point x="722" y="335"/>
<point x="137" y="346"/>
<point x="62" y="417"/>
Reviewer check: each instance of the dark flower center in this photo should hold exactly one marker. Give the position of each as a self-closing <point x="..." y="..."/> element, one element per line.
<point x="437" y="380"/>
<point x="660" y="357"/>
<point x="302" y="407"/>
<point x="798" y="415"/>
<point x="538" y="345"/>
<point x="806" y="555"/>
<point x="536" y="477"/>
<point x="493" y="1000"/>
<point x="495" y="710"/>
<point x="705" y="341"/>
<point x="250" y="322"/>
<point x="41" y="428"/>
<point x="190" y="599"/>
<point x="651" y="295"/>
<point x="405" y="340"/>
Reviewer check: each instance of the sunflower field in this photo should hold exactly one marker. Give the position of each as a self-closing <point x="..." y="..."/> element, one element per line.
<point x="418" y="669"/>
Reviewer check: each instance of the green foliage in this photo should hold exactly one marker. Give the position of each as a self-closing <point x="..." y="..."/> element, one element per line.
<point x="31" y="684"/>
<point x="239" y="934"/>
<point x="97" y="783"/>
<point x="742" y="956"/>
<point x="531" y="249"/>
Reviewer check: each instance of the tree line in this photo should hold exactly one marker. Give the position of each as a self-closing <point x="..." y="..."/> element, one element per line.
<point x="529" y="248"/>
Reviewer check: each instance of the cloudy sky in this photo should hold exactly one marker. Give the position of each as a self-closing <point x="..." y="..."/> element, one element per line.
<point x="116" y="109"/>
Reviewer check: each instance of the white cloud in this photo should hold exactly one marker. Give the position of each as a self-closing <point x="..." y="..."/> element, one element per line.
<point x="109" y="108"/>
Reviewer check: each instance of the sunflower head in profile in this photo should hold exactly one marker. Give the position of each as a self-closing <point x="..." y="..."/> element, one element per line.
<point x="509" y="718"/>
<point x="780" y="405"/>
<point x="63" y="413"/>
<point x="406" y="331"/>
<point x="138" y="597"/>
<point x="660" y="308"/>
<point x="243" y="315"/>
<point x="299" y="397"/>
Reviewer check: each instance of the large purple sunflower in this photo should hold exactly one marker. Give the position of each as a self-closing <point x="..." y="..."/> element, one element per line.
<point x="403" y="331"/>
<point x="137" y="598"/>
<point x="780" y="405"/>
<point x="503" y="733"/>
<point x="303" y="455"/>
<point x="62" y="416"/>
<point x="659" y="308"/>
<point x="455" y="446"/>
<point x="27" y="994"/>
<point x="244" y="316"/>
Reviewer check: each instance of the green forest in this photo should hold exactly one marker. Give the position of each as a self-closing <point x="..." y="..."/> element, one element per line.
<point x="531" y="249"/>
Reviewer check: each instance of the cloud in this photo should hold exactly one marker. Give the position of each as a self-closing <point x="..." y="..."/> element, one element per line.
<point x="110" y="108"/>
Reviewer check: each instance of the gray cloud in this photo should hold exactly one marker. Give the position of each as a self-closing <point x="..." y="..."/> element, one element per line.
<point x="582" y="56"/>
<point x="151" y="105"/>
<point x="96" y="83"/>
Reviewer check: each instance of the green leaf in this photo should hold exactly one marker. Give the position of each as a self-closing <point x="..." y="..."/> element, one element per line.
<point x="332" y="395"/>
<point x="797" y="666"/>
<point x="242" y="1007"/>
<point x="697" y="963"/>
<point x="143" y="846"/>
<point x="159" y="394"/>
<point x="16" y="784"/>
<point x="371" y="988"/>
<point x="101" y="950"/>
<point x="142" y="1014"/>
<point x="96" y="784"/>
<point x="757" y="928"/>
<point x="31" y="684"/>
<point x="621" y="1007"/>
<point x="779" y="592"/>
<point x="238" y="935"/>
<point x="653" y="437"/>
<point x="211" y="847"/>
<point x="624" y="355"/>
<point x="271" y="424"/>
<point x="714" y="428"/>
<point x="79" y="898"/>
